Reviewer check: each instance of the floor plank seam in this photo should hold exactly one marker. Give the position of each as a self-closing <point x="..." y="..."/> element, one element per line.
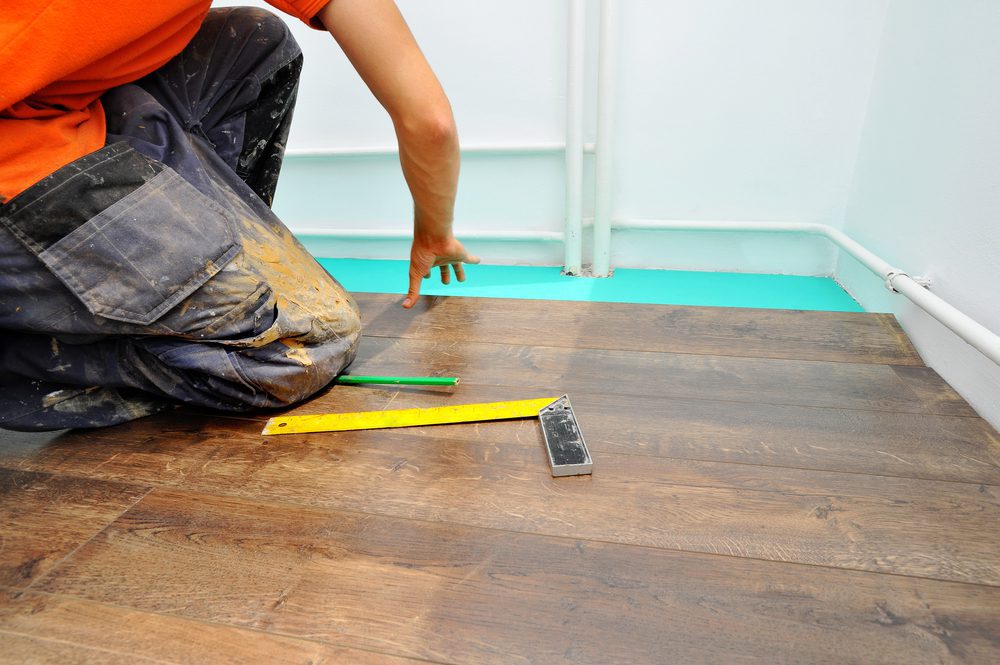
<point x="666" y="353"/>
<point x="692" y="398"/>
<point x="923" y="412"/>
<point x="289" y="636"/>
<point x="76" y="549"/>
<point x="894" y="363"/>
<point x="429" y="338"/>
<point x="539" y="534"/>
<point x="54" y="640"/>
<point x="602" y="453"/>
<point x="807" y="468"/>
<point x="968" y="483"/>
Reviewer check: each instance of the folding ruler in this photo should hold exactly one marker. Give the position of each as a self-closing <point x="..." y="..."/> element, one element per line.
<point x="568" y="454"/>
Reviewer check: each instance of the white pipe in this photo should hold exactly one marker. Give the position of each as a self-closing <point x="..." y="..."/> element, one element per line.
<point x="498" y="149"/>
<point x="961" y="324"/>
<point x="572" y="264"/>
<point x="896" y="280"/>
<point x="601" y="266"/>
<point x="404" y="234"/>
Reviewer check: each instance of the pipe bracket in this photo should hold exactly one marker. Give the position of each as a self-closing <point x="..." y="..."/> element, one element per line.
<point x="893" y="274"/>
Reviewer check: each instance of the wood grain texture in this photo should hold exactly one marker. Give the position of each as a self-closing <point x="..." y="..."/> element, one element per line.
<point x="44" y="517"/>
<point x="454" y="594"/>
<point x="858" y="441"/>
<point x="759" y="333"/>
<point x="495" y="475"/>
<point x="598" y="371"/>
<point x="43" y="628"/>
<point x="748" y="505"/>
<point x="871" y="442"/>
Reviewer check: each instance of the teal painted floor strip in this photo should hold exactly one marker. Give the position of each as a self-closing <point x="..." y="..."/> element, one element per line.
<point x="656" y="287"/>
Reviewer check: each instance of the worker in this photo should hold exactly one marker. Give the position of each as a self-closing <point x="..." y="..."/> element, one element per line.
<point x="141" y="266"/>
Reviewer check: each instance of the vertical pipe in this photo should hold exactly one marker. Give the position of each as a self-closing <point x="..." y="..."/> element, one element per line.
<point x="605" y="106"/>
<point x="574" y="139"/>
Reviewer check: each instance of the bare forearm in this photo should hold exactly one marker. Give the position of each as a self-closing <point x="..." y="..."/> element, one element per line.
<point x="430" y="160"/>
<point x="379" y="44"/>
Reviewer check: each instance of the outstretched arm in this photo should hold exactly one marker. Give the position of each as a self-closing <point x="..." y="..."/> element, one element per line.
<point x="379" y="44"/>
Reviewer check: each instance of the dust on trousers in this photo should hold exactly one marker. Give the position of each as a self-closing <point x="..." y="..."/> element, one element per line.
<point x="152" y="272"/>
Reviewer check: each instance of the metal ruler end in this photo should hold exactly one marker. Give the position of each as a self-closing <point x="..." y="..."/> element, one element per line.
<point x="568" y="454"/>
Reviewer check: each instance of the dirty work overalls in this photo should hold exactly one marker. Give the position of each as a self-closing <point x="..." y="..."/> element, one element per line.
<point x="153" y="272"/>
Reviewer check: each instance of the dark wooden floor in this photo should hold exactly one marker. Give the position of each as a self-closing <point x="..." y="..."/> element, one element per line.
<point x="768" y="487"/>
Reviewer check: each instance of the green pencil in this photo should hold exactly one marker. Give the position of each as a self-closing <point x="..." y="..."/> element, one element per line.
<point x="399" y="380"/>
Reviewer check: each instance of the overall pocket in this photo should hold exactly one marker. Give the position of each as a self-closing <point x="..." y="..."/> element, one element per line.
<point x="127" y="235"/>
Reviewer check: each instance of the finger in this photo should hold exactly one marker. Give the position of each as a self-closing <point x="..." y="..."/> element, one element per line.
<point x="471" y="259"/>
<point x="445" y="275"/>
<point x="416" y="270"/>
<point x="427" y="275"/>
<point x="459" y="272"/>
<point x="413" y="293"/>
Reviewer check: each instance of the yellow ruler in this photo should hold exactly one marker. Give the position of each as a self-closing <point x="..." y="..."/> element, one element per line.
<point x="463" y="413"/>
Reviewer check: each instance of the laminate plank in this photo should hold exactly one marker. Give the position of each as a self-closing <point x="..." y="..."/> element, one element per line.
<point x="45" y="517"/>
<point x="456" y="594"/>
<point x="792" y="382"/>
<point x="43" y="628"/>
<point x="909" y="445"/>
<point x="873" y="442"/>
<point x="40" y="651"/>
<point x="495" y="475"/>
<point x="927" y="385"/>
<point x="761" y="333"/>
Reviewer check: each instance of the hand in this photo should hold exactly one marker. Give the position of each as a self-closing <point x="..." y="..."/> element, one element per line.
<point x="427" y="253"/>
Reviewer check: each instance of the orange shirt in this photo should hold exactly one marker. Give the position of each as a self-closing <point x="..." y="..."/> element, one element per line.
<point x="57" y="57"/>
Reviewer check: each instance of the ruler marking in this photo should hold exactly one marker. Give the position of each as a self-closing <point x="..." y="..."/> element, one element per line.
<point x="440" y="415"/>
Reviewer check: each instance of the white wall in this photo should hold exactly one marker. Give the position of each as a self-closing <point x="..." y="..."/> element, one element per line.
<point x="741" y="110"/>
<point x="734" y="110"/>
<point x="926" y="193"/>
<point x="727" y="109"/>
